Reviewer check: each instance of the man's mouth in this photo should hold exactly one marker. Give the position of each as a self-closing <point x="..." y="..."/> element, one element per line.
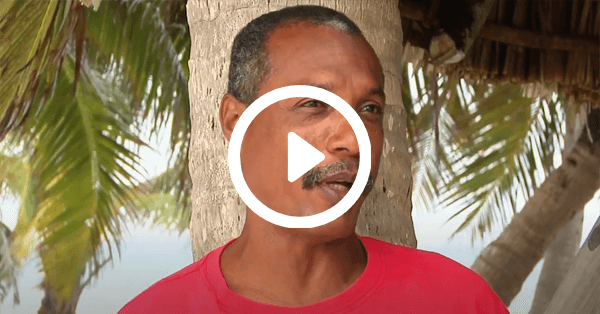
<point x="334" y="191"/>
<point x="336" y="185"/>
<point x="340" y="184"/>
<point x="334" y="180"/>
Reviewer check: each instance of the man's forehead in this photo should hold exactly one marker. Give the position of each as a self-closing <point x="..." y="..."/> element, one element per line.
<point x="309" y="33"/>
<point x="320" y="46"/>
<point x="330" y="85"/>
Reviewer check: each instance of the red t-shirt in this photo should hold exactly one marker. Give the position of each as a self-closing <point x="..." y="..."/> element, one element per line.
<point x="397" y="279"/>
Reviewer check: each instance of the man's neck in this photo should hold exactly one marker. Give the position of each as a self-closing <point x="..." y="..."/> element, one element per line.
<point x="291" y="270"/>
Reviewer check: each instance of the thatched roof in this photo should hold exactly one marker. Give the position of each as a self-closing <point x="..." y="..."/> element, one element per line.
<point x="551" y="44"/>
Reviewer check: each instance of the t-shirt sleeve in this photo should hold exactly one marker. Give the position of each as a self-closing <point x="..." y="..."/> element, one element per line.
<point x="175" y="294"/>
<point x="148" y="301"/>
<point x="473" y="294"/>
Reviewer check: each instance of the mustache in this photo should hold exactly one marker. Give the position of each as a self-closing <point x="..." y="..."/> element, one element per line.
<point x="314" y="176"/>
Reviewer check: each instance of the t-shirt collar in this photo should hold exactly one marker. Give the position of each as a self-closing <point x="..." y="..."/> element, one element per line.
<point x="350" y="298"/>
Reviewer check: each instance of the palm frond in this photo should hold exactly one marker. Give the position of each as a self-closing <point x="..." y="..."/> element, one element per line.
<point x="495" y="146"/>
<point x="16" y="179"/>
<point x="8" y="266"/>
<point x="428" y="133"/>
<point x="509" y="147"/>
<point x="33" y="38"/>
<point x="91" y="3"/>
<point x="113" y="36"/>
<point x="82" y="176"/>
<point x="147" y="45"/>
<point x="157" y="200"/>
<point x="76" y="183"/>
<point x="13" y="173"/>
<point x="163" y="210"/>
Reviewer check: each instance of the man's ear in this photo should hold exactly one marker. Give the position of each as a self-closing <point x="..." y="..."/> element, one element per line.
<point x="230" y="111"/>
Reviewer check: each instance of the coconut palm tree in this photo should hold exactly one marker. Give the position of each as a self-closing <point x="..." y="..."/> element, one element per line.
<point x="561" y="253"/>
<point x="77" y="85"/>
<point x="484" y="149"/>
<point x="478" y="147"/>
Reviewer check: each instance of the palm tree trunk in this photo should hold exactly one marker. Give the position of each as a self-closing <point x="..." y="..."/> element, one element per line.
<point x="578" y="292"/>
<point x="52" y="304"/>
<point x="560" y="254"/>
<point x="507" y="261"/>
<point x="218" y="212"/>
<point x="557" y="260"/>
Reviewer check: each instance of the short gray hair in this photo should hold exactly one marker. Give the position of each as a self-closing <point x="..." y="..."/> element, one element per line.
<point x="249" y="65"/>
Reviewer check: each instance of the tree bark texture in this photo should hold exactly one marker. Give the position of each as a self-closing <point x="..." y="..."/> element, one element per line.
<point x="507" y="261"/>
<point x="558" y="258"/>
<point x="578" y="292"/>
<point x="218" y="212"/>
<point x="562" y="251"/>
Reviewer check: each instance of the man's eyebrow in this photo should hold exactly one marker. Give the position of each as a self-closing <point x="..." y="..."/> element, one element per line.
<point x="378" y="91"/>
<point x="324" y="85"/>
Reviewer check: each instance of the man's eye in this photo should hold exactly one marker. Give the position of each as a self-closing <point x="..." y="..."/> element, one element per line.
<point x="312" y="104"/>
<point x="371" y="108"/>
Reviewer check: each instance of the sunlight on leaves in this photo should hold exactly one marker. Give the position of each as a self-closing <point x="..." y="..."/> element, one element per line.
<point x="493" y="147"/>
<point x="94" y="3"/>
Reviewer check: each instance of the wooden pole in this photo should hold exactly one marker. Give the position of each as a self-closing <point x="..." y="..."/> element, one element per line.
<point x="580" y="290"/>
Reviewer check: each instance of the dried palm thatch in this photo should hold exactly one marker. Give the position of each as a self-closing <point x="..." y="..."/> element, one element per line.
<point x="549" y="45"/>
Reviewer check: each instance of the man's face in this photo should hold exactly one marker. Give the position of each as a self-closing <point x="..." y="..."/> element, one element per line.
<point x="305" y="54"/>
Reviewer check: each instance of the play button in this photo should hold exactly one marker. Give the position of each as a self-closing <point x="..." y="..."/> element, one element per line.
<point x="301" y="157"/>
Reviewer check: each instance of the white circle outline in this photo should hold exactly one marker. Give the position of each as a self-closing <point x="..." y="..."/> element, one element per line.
<point x="235" y="165"/>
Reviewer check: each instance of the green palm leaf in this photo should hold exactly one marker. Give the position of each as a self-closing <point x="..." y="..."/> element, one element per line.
<point x="113" y="36"/>
<point x="163" y="210"/>
<point x="33" y="37"/>
<point x="156" y="201"/>
<point x="148" y="44"/>
<point x="8" y="266"/>
<point x="495" y="146"/>
<point x="82" y="178"/>
<point x="428" y="150"/>
<point x="73" y="104"/>
<point x="508" y="137"/>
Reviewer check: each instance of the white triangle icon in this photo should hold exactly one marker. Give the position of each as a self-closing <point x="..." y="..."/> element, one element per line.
<point x="301" y="157"/>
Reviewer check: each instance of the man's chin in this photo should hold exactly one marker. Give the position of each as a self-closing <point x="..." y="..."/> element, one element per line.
<point x="315" y="201"/>
<point x="341" y="227"/>
<point x="332" y="193"/>
<point x="322" y="197"/>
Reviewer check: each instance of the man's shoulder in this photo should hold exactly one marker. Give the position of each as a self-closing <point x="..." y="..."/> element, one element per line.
<point x="431" y="273"/>
<point x="188" y="273"/>
<point x="424" y="266"/>
<point x="429" y="262"/>
<point x="177" y="288"/>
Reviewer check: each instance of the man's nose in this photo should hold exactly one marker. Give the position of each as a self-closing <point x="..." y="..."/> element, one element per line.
<point x="342" y="138"/>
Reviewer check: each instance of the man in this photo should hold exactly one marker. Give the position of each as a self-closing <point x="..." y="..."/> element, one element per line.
<point x="327" y="269"/>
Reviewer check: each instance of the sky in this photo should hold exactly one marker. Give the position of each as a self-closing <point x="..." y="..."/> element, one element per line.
<point x="152" y="253"/>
